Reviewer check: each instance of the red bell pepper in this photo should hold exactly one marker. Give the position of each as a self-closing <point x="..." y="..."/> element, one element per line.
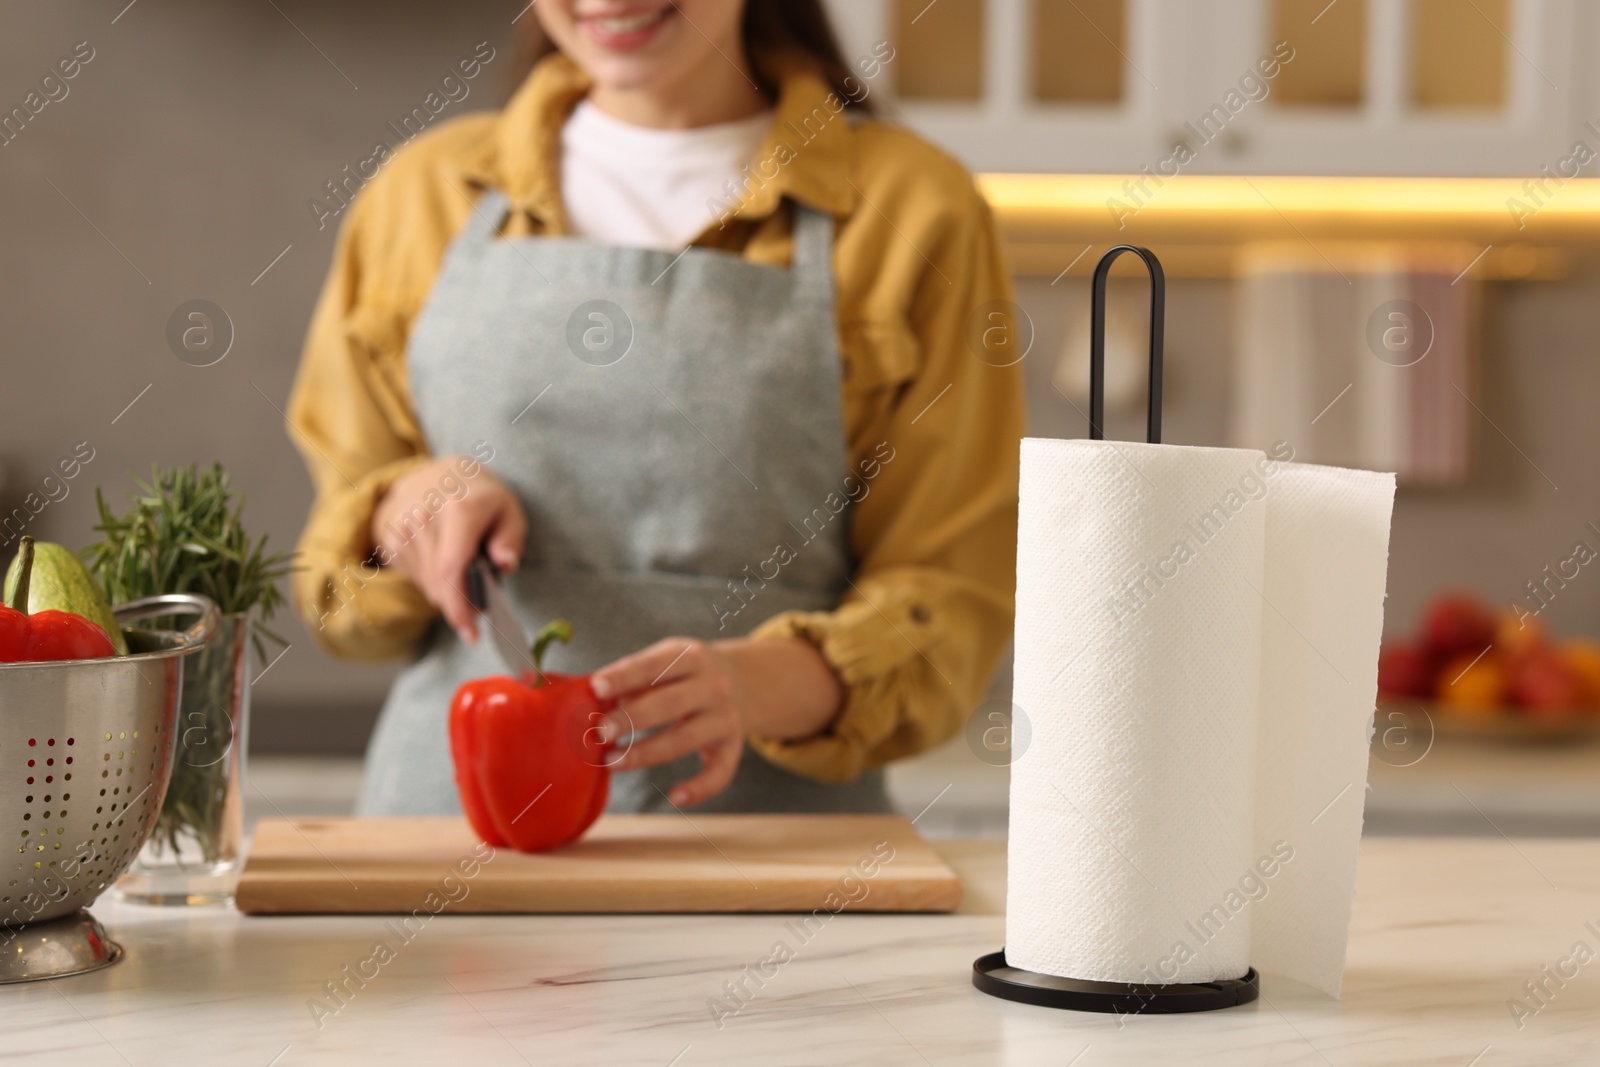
<point x="45" y="635"/>
<point x="530" y="766"/>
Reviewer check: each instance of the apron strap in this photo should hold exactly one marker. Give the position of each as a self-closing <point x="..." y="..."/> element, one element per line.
<point x="487" y="216"/>
<point x="812" y="260"/>
<point x="811" y="263"/>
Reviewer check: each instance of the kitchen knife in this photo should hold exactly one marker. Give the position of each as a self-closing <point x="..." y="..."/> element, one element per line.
<point x="510" y="639"/>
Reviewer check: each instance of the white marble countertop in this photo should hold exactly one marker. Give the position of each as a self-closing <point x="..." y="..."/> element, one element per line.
<point x="1445" y="933"/>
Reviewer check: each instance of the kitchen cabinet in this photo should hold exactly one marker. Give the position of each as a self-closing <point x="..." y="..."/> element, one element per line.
<point x="1444" y="936"/>
<point x="1379" y="105"/>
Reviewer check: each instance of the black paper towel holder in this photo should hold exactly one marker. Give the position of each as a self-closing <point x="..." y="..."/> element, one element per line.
<point x="1097" y="341"/>
<point x="991" y="973"/>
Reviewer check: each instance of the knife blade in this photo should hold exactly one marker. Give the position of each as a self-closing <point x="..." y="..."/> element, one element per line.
<point x="510" y="639"/>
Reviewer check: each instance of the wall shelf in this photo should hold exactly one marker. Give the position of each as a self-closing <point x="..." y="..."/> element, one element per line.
<point x="1504" y="228"/>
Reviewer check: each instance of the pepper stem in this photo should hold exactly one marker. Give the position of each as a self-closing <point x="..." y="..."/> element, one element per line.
<point x="558" y="630"/>
<point x="19" y="595"/>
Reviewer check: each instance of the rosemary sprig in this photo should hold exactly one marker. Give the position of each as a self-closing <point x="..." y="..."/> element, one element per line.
<point x="183" y="534"/>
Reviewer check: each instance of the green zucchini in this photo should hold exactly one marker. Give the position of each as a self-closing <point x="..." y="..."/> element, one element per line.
<point x="60" y="582"/>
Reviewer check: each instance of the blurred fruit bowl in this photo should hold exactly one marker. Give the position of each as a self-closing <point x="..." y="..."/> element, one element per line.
<point x="1508" y="725"/>
<point x="1494" y="673"/>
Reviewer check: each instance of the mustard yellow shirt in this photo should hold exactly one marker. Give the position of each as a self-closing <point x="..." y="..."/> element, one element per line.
<point x="929" y="608"/>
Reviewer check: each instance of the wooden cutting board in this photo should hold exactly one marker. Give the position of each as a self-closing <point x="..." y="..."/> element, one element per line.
<point x="625" y="863"/>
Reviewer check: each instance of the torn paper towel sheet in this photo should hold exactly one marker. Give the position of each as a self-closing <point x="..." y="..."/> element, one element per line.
<point x="1327" y="561"/>
<point x="1196" y="655"/>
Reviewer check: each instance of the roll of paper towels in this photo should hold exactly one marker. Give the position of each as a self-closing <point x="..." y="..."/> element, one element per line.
<point x="1196" y="656"/>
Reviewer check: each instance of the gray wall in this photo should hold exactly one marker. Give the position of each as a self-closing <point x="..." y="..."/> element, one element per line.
<point x="192" y="142"/>
<point x="195" y="136"/>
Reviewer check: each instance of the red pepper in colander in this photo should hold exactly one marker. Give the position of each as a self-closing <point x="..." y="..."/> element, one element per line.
<point x="530" y="766"/>
<point x="45" y="635"/>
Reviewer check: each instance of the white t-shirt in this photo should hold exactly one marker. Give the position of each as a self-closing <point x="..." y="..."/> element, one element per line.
<point x="649" y="188"/>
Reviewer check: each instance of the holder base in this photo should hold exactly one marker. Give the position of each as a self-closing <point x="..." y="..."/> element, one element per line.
<point x="994" y="976"/>
<point x="72" y="944"/>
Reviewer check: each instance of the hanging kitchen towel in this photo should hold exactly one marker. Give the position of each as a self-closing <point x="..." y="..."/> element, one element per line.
<point x="1357" y="353"/>
<point x="1196" y="655"/>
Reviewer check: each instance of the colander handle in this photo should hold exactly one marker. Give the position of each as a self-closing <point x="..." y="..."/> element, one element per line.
<point x="175" y="604"/>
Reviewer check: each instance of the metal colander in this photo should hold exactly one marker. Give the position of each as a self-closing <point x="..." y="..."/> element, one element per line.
<point x="85" y="757"/>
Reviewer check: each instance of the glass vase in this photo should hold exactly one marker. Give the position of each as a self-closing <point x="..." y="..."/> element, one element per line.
<point x="193" y="855"/>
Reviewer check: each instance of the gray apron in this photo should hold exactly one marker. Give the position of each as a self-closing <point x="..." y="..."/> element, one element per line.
<point x="672" y="427"/>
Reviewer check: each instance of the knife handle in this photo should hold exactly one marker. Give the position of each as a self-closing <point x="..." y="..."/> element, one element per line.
<point x="479" y="571"/>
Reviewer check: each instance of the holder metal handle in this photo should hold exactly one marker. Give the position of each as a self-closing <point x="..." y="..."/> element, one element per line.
<point x="1097" y="341"/>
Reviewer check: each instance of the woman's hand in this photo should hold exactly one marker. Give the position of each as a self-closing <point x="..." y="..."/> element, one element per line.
<point x="707" y="695"/>
<point x="431" y="522"/>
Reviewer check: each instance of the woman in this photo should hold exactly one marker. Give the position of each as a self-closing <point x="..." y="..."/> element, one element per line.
<point x="681" y="337"/>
